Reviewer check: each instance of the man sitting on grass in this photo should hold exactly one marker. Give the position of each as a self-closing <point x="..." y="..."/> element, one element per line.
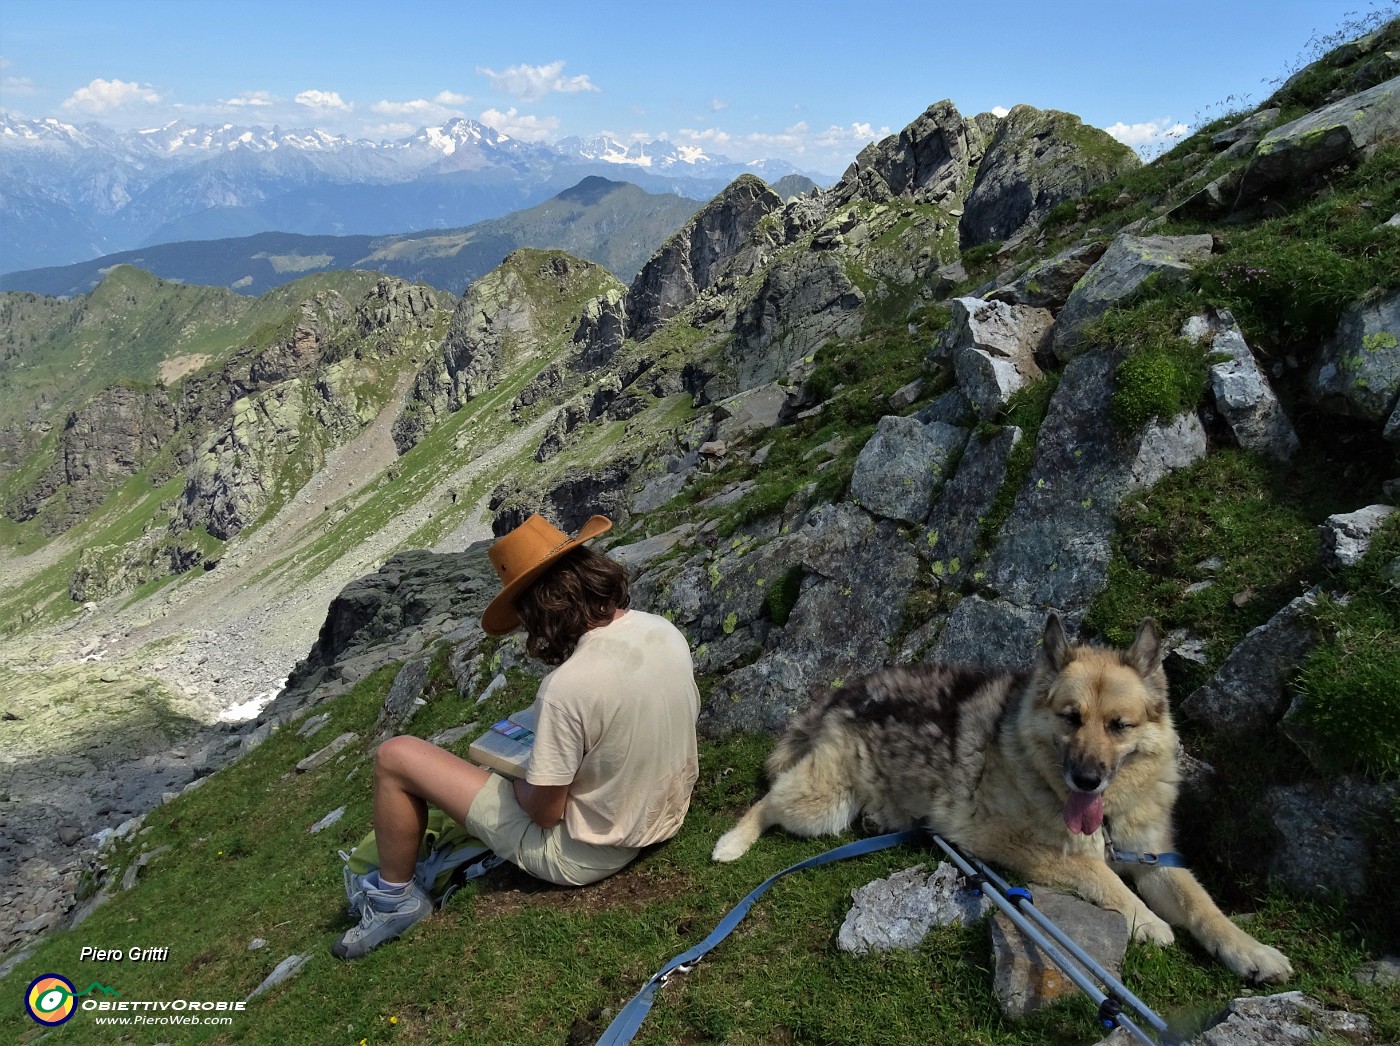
<point x="614" y="757"/>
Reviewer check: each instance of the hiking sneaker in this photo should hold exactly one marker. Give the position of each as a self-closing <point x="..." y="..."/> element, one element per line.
<point x="384" y="916"/>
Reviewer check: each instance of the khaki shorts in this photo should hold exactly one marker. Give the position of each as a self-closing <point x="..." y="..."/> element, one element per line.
<point x="497" y="819"/>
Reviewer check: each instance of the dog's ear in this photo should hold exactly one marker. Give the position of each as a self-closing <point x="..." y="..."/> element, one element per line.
<point x="1055" y="646"/>
<point x="1145" y="655"/>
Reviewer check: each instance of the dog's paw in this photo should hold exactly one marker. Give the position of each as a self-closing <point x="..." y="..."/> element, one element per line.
<point x="1257" y="962"/>
<point x="1153" y="930"/>
<point x="731" y="847"/>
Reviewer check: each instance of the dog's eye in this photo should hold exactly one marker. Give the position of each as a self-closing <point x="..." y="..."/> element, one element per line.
<point x="1119" y="726"/>
<point x="1072" y="718"/>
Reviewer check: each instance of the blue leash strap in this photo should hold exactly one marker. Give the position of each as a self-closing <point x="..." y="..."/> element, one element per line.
<point x="624" y="1026"/>
<point x="1163" y="860"/>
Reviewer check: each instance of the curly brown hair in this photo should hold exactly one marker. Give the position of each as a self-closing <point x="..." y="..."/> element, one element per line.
<point x="582" y="591"/>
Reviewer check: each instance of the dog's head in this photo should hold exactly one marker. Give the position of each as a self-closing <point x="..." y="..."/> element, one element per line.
<point x="1100" y="706"/>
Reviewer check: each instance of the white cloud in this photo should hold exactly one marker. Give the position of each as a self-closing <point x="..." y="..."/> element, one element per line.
<point x="708" y="136"/>
<point x="856" y="135"/>
<point x="516" y="125"/>
<point x="17" y="85"/>
<point x="533" y="82"/>
<point x="718" y="105"/>
<point x="1000" y="110"/>
<point x="252" y="100"/>
<point x="451" y="98"/>
<point x="323" y="101"/>
<point x="417" y="105"/>
<point x="1148" y="134"/>
<point x="100" y="96"/>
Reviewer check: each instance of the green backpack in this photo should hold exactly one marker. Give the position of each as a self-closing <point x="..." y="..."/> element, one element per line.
<point x="448" y="858"/>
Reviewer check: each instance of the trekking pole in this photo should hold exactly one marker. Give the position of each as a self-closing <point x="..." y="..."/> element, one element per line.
<point x="1089" y="962"/>
<point x="1110" y="1006"/>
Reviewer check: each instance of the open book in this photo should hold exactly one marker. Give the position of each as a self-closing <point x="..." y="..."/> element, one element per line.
<point x="506" y="747"/>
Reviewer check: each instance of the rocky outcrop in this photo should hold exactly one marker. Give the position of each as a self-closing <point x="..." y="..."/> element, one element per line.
<point x="927" y="162"/>
<point x="103" y="444"/>
<point x="506" y="318"/>
<point x="838" y="628"/>
<point x="580" y="493"/>
<point x="993" y="348"/>
<point x="601" y="330"/>
<point x="803" y="301"/>
<point x="690" y="260"/>
<point x="1036" y="159"/>
<point x="239" y="468"/>
<point x="1298" y="155"/>
<point x="394" y="304"/>
<point x="1123" y="268"/>
<point x="1055" y="547"/>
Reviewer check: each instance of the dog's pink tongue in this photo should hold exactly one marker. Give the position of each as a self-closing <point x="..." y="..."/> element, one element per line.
<point x="1084" y="812"/>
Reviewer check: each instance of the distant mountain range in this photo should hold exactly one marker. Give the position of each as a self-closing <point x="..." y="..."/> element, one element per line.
<point x="70" y="193"/>
<point x="616" y="224"/>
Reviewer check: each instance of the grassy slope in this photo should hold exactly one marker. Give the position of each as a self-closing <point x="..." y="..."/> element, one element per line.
<point x="516" y="961"/>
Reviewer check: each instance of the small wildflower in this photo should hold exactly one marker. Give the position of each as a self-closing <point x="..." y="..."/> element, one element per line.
<point x="393" y="1020"/>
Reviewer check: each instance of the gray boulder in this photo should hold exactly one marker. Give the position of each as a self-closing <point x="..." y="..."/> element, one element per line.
<point x="1346" y="536"/>
<point x="993" y="633"/>
<point x="1326" y="834"/>
<point x="1242" y="393"/>
<point x="756" y="408"/>
<point x="903" y="466"/>
<point x="1127" y="263"/>
<point x="1251" y="127"/>
<point x="993" y="347"/>
<point x="897" y="913"/>
<point x="404" y="698"/>
<point x="1035" y="160"/>
<point x="1358" y="371"/>
<point x="1048" y="283"/>
<point x="1280" y="1020"/>
<point x="1300" y="154"/>
<point x="1026" y="978"/>
<point x="1248" y="693"/>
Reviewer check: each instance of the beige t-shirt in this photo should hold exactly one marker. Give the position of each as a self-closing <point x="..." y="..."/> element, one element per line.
<point x="617" y="724"/>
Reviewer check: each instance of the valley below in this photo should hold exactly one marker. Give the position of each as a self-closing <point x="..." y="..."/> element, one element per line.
<point x="128" y="702"/>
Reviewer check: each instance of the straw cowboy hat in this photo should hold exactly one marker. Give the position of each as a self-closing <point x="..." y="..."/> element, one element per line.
<point x="522" y="556"/>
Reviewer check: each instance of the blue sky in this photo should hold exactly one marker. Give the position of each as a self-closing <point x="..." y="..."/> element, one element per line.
<point x="810" y="82"/>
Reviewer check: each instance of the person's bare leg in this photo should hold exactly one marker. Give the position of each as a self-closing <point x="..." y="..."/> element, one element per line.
<point x="410" y="773"/>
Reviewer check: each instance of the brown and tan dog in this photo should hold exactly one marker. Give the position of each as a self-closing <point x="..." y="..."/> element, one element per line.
<point x="1030" y="771"/>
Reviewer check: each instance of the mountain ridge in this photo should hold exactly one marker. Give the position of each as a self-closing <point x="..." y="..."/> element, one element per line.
<point x="73" y="192"/>
<point x="616" y="224"/>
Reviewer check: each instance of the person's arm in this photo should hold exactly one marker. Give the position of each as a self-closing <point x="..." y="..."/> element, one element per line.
<point x="544" y="803"/>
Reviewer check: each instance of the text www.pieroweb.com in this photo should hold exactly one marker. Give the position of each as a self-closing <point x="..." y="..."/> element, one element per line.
<point x="103" y="1012"/>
